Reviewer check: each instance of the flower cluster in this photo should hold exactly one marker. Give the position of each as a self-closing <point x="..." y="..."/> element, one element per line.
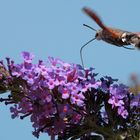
<point x="62" y="99"/>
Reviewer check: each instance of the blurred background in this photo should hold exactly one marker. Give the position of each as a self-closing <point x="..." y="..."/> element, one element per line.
<point x="55" y="28"/>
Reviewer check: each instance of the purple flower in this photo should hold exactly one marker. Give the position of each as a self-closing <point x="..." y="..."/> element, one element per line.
<point x="51" y="83"/>
<point x="76" y="118"/>
<point x="60" y="96"/>
<point x="65" y="92"/>
<point x="118" y="95"/>
<point x="53" y="61"/>
<point x="27" y="57"/>
<point x="123" y="112"/>
<point x="115" y="102"/>
<point x="77" y="99"/>
<point x="43" y="96"/>
<point x="72" y="76"/>
<point x="73" y="87"/>
<point x="119" y="90"/>
<point x="25" y="106"/>
<point x="15" y="112"/>
<point x="59" y="126"/>
<point x="29" y="78"/>
<point x="135" y="102"/>
<point x="16" y="70"/>
<point x="48" y="109"/>
<point x="64" y="110"/>
<point x="61" y="80"/>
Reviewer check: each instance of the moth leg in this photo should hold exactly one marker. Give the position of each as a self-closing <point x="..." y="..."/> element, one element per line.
<point x="128" y="48"/>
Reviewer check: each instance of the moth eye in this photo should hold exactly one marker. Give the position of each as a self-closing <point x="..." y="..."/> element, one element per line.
<point x="96" y="35"/>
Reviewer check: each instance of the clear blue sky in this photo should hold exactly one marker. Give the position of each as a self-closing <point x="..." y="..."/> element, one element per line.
<point x="54" y="27"/>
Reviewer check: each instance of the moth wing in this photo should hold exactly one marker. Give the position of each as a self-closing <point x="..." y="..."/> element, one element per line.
<point x="95" y="17"/>
<point x="98" y="20"/>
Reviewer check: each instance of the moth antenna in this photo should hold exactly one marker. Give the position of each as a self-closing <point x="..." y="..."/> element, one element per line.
<point x="90" y="27"/>
<point x="81" y="56"/>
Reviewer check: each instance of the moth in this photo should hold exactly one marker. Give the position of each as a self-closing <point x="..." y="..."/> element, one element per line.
<point x="114" y="36"/>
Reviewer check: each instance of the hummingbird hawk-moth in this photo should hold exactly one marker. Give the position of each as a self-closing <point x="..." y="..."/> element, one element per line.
<point x="114" y="36"/>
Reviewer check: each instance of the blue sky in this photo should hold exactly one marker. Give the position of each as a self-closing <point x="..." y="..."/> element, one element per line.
<point x="54" y="28"/>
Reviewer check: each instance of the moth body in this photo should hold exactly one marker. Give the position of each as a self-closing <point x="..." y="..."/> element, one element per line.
<point x="113" y="36"/>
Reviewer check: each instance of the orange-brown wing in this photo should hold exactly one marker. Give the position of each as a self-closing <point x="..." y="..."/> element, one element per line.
<point x="95" y="17"/>
<point x="98" y="20"/>
<point x="116" y="32"/>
